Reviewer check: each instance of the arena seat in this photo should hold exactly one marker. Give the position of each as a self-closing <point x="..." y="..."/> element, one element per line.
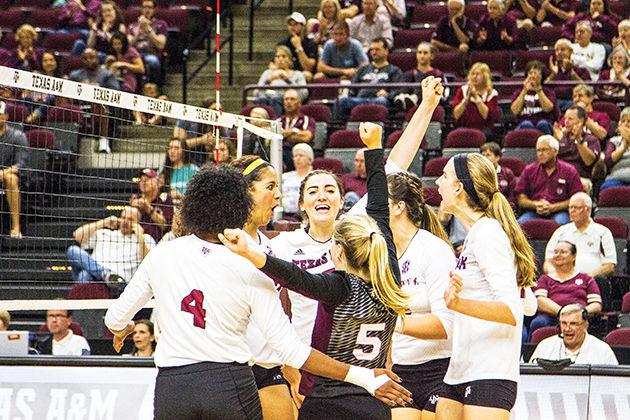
<point x="618" y="338"/>
<point x="11" y="19"/>
<point x="91" y="320"/>
<point x="324" y="95"/>
<point x="343" y="145"/>
<point x="416" y="163"/>
<point x="543" y="332"/>
<point x="404" y="60"/>
<point x="60" y="42"/>
<point x="433" y="170"/>
<point x="431" y="196"/>
<point x="620" y="7"/>
<point x="177" y="18"/>
<point x="433" y="137"/>
<point x="427" y="14"/>
<point x="498" y="61"/>
<point x="69" y="63"/>
<point x="44" y="19"/>
<point x="131" y="14"/>
<point x="16" y="112"/>
<point x="333" y="165"/>
<point x="375" y="113"/>
<point x="541" y="36"/>
<point x="614" y="201"/>
<point x="31" y="4"/>
<point x="515" y="164"/>
<point x="463" y="140"/>
<point x="450" y="62"/>
<point x="475" y="10"/>
<point x="538" y="232"/>
<point x="322" y="116"/>
<point x="521" y="144"/>
<point x="410" y="38"/>
<point x="525" y="56"/>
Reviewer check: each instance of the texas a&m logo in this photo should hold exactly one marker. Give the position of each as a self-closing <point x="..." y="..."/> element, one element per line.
<point x="461" y="263"/>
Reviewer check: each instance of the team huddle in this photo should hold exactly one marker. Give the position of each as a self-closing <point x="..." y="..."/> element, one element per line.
<point x="366" y="315"/>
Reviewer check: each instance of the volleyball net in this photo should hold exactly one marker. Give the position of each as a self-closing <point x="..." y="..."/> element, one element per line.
<point x="74" y="157"/>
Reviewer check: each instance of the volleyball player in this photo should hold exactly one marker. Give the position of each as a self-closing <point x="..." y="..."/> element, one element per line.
<point x="273" y="389"/>
<point x="359" y="301"/>
<point x="321" y="200"/>
<point x="206" y="296"/>
<point x="484" y="293"/>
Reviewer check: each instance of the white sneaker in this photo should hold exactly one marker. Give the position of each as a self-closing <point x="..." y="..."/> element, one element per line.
<point x="103" y="145"/>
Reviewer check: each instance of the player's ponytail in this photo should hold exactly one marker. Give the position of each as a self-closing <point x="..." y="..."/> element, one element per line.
<point x="486" y="196"/>
<point x="366" y="253"/>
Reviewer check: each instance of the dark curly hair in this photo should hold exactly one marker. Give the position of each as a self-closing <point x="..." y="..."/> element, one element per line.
<point x="243" y="162"/>
<point x="216" y="199"/>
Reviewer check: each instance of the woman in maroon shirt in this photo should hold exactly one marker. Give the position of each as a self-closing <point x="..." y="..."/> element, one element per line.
<point x="497" y="31"/>
<point x="476" y="104"/>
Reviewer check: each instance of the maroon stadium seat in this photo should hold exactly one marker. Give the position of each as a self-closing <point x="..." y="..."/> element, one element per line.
<point x="543" y="332"/>
<point x="475" y="10"/>
<point x="131" y="14"/>
<point x="32" y="4"/>
<point x="615" y="197"/>
<point x="526" y="137"/>
<point x="404" y="60"/>
<point x="369" y="112"/>
<point x="75" y="327"/>
<point x="545" y="36"/>
<point x="191" y="4"/>
<point x="16" y="112"/>
<point x="464" y="137"/>
<point x="625" y="303"/>
<point x="92" y="290"/>
<point x="449" y="61"/>
<point x="69" y="63"/>
<point x="393" y="138"/>
<point x="344" y="139"/>
<point x="177" y="18"/>
<point x="438" y="114"/>
<point x="539" y="229"/>
<point x="618" y="338"/>
<point x="431" y="196"/>
<point x="320" y="94"/>
<point x="609" y="108"/>
<point x="428" y="13"/>
<point x="435" y="166"/>
<point x="515" y="164"/>
<point x="329" y="164"/>
<point x="124" y="4"/>
<point x="41" y="138"/>
<point x="617" y="226"/>
<point x="410" y="38"/>
<point x="525" y="56"/>
<point x="248" y="108"/>
<point x="621" y="8"/>
<point x="498" y="61"/>
<point x="45" y="19"/>
<point x="60" y="42"/>
<point x="11" y="19"/>
<point x="321" y="113"/>
<point x="66" y="114"/>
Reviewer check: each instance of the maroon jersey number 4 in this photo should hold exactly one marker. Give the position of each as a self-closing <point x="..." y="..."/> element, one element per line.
<point x="196" y="309"/>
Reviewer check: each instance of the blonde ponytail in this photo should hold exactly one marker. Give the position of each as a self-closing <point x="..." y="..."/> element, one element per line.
<point x="496" y="206"/>
<point x="366" y="253"/>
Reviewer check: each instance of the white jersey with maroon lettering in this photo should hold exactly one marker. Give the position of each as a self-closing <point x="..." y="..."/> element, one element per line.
<point x="312" y="256"/>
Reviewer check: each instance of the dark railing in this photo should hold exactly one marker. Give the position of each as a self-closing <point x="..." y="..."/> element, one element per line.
<point x="207" y="37"/>
<point x="499" y="84"/>
<point x="253" y="6"/>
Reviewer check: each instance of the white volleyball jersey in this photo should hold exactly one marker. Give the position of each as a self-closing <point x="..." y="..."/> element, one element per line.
<point x="486" y="349"/>
<point x="312" y="256"/>
<point x="263" y="354"/>
<point x="206" y="297"/>
<point x="425" y="273"/>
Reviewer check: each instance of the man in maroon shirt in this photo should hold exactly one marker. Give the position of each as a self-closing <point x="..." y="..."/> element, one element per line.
<point x="545" y="186"/>
<point x="497" y="30"/>
<point x="455" y="31"/>
<point x="156" y="208"/>
<point x="597" y="122"/>
<point x="296" y="127"/>
<point x="562" y="69"/>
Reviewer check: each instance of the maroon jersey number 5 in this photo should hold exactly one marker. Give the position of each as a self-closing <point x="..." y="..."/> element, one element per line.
<point x="193" y="304"/>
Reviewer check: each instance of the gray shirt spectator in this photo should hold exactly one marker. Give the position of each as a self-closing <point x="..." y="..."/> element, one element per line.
<point x="370" y="25"/>
<point x="13" y="148"/>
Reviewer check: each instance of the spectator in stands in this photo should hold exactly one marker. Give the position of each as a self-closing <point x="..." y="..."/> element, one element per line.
<point x="603" y="23"/>
<point x="556" y="12"/>
<point x="355" y="183"/>
<point x="587" y="54"/>
<point x="379" y="70"/>
<point x="597" y="122"/>
<point x="148" y="36"/>
<point x="109" y="21"/>
<point x="534" y="105"/>
<point x="623" y="35"/>
<point x="303" y="162"/>
<point x="505" y="176"/>
<point x="407" y="98"/>
<point x="342" y="55"/>
<point x="577" y="147"/>
<point x="369" y="25"/>
<point x="38" y="103"/>
<point x="562" y="286"/>
<point x="282" y="74"/>
<point x="63" y="342"/>
<point x="476" y="104"/>
<point x="118" y="244"/>
<point x="13" y="157"/>
<point x="5" y="320"/>
<point x="125" y="63"/>
<point x="177" y="169"/>
<point x="455" y="31"/>
<point x="25" y="56"/>
<point x="143" y="339"/>
<point x="497" y="30"/>
<point x="303" y="50"/>
<point x="156" y="209"/>
<point x="619" y="70"/>
<point x="350" y="8"/>
<point x="574" y="342"/>
<point x="596" y="253"/>
<point x="92" y="73"/>
<point x="252" y="143"/>
<point x="75" y="15"/>
<point x="523" y="12"/>
<point x="226" y="152"/>
<point x="151" y="90"/>
<point x="296" y="127"/>
<point x="562" y="69"/>
<point x="618" y="154"/>
<point x="320" y="29"/>
<point x="545" y="186"/>
<point x="396" y="10"/>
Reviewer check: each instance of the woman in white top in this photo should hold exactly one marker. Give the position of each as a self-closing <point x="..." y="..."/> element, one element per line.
<point x="303" y="161"/>
<point x="320" y="201"/>
<point x="206" y="296"/>
<point x="484" y="293"/>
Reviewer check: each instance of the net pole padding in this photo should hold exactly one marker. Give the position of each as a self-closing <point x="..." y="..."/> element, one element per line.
<point x="276" y="160"/>
<point x="55" y="86"/>
<point x="45" y="304"/>
<point x="217" y="76"/>
<point x="239" y="141"/>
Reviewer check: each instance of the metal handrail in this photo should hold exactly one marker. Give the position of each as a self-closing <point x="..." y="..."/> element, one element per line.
<point x="313" y="86"/>
<point x="205" y="36"/>
<point x="253" y="6"/>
